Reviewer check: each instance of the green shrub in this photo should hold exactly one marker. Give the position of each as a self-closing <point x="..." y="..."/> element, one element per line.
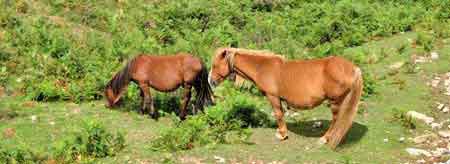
<point x="94" y="141"/>
<point x="73" y="48"/>
<point x="19" y="155"/>
<point x="426" y="41"/>
<point x="400" y="116"/>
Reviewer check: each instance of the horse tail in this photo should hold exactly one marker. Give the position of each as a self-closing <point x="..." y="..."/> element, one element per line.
<point x="348" y="111"/>
<point x="204" y="93"/>
<point x="119" y="81"/>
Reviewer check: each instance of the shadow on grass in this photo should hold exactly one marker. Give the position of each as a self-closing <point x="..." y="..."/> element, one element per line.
<point x="305" y="128"/>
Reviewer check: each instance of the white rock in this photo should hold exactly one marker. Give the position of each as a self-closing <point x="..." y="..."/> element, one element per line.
<point x="434" y="55"/>
<point x="434" y="83"/>
<point x="219" y="159"/>
<point x="421" y="161"/>
<point x="435" y="125"/>
<point x="420" y="116"/>
<point x="440" y="151"/>
<point x="52" y="123"/>
<point x="317" y="124"/>
<point x="401" y="139"/>
<point x="440" y="106"/>
<point x="424" y="138"/>
<point x="446" y="109"/>
<point x="417" y="152"/>
<point x="444" y="133"/>
<point x="396" y="65"/>
<point x="33" y="118"/>
<point x="386" y="140"/>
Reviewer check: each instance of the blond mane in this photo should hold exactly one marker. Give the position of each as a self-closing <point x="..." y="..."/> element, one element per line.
<point x="249" y="52"/>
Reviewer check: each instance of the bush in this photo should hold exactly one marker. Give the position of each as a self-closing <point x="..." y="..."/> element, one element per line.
<point x="93" y="142"/>
<point x="73" y="49"/>
<point x="401" y="117"/>
<point x="19" y="155"/>
<point x="220" y="124"/>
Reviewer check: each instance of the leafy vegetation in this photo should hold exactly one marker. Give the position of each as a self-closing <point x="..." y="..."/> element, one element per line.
<point x="68" y="50"/>
<point x="91" y="143"/>
<point x="218" y="125"/>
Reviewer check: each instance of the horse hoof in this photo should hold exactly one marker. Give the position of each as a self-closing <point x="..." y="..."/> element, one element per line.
<point x="280" y="137"/>
<point x="323" y="140"/>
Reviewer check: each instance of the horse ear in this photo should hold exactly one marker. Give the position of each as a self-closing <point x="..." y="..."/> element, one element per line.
<point x="224" y="53"/>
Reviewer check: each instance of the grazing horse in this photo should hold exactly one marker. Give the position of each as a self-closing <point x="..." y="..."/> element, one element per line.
<point x="165" y="74"/>
<point x="302" y="84"/>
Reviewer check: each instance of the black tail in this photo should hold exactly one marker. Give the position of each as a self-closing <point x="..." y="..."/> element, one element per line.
<point x="120" y="80"/>
<point x="203" y="90"/>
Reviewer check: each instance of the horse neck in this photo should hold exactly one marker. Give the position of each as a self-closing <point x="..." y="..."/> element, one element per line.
<point x="246" y="65"/>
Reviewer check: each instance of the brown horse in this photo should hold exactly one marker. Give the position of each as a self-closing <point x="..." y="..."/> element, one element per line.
<point x="165" y="74"/>
<point x="301" y="84"/>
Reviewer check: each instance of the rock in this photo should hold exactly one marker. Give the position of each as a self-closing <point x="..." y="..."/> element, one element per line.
<point x="444" y="133"/>
<point x="446" y="109"/>
<point x="434" y="83"/>
<point x="401" y="139"/>
<point x="417" y="152"/>
<point x="219" y="159"/>
<point x="420" y="116"/>
<point x="434" y="55"/>
<point x="33" y="118"/>
<point x="317" y="124"/>
<point x="440" y="106"/>
<point x="396" y="65"/>
<point x="435" y="125"/>
<point x="440" y="151"/>
<point x="386" y="140"/>
<point x="9" y="132"/>
<point x="425" y="138"/>
<point x="52" y="123"/>
<point x="421" y="161"/>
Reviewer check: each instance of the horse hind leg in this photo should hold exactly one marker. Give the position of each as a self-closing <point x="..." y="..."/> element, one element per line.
<point x="335" y="111"/>
<point x="347" y="112"/>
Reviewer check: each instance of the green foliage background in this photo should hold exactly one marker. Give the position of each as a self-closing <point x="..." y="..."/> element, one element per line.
<point x="68" y="50"/>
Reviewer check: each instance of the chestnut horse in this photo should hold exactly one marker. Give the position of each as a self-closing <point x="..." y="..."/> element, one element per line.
<point x="302" y="84"/>
<point x="165" y="74"/>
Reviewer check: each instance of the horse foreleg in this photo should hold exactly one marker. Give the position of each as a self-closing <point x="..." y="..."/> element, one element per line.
<point x="279" y="114"/>
<point x="186" y="99"/>
<point x="147" y="102"/>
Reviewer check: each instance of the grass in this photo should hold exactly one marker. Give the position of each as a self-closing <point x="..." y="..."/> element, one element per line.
<point x="365" y="143"/>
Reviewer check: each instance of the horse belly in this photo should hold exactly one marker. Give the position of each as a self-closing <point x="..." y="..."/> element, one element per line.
<point x="304" y="103"/>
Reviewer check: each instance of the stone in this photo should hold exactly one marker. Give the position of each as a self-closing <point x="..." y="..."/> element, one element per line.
<point x="434" y="55"/>
<point x="219" y="159"/>
<point x="435" y="83"/>
<point x="401" y="139"/>
<point x="440" y="106"/>
<point x="446" y="109"/>
<point x="435" y="125"/>
<point x="444" y="133"/>
<point x="424" y="138"/>
<point x="386" y="140"/>
<point x="33" y="118"/>
<point x="420" y="116"/>
<point x="317" y="124"/>
<point x="417" y="152"/>
<point x="396" y="65"/>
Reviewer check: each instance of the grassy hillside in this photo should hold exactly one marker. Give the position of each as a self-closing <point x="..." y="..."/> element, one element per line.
<point x="56" y="57"/>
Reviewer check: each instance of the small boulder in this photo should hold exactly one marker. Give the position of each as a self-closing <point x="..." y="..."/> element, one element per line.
<point x="434" y="55"/>
<point x="444" y="133"/>
<point x="417" y="152"/>
<point x="424" y="138"/>
<point x="420" y="116"/>
<point x="396" y="65"/>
